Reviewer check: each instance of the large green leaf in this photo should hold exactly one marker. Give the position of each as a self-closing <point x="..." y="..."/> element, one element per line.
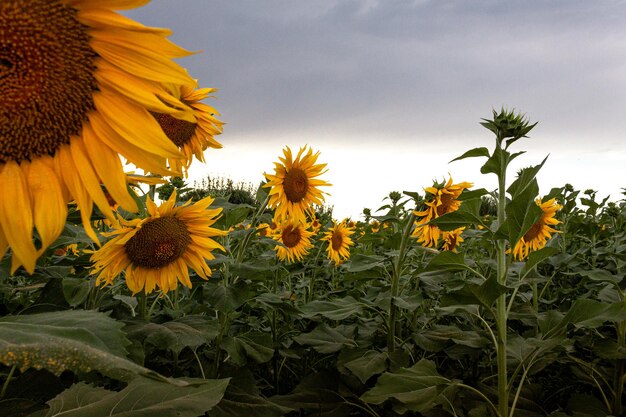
<point x="324" y="339"/>
<point x="417" y="388"/>
<point x="141" y="398"/>
<point x="190" y="331"/>
<point x="525" y="180"/>
<point x="446" y="261"/>
<point x="338" y="309"/>
<point x="255" y="345"/>
<point x="522" y="212"/>
<point x="536" y="257"/>
<point x="75" y="340"/>
<point x="369" y="364"/>
<point x="360" y="262"/>
<point x="456" y="219"/>
<point x="473" y="153"/>
<point x="226" y="299"/>
<point x="591" y="313"/>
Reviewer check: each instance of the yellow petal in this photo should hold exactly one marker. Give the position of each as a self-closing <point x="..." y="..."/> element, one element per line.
<point x="49" y="207"/>
<point x="16" y="217"/>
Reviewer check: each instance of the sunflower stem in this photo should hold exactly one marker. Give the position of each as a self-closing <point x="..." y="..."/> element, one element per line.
<point x="6" y="383"/>
<point x="395" y="282"/>
<point x="253" y="222"/>
<point x="501" y="314"/>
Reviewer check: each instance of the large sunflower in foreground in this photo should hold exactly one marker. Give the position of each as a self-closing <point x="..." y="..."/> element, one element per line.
<point x="77" y="82"/>
<point x="443" y="199"/>
<point x="192" y="138"/>
<point x="158" y="250"/>
<point x="294" y="186"/>
<point x="296" y="240"/>
<point x="339" y="242"/>
<point x="539" y="233"/>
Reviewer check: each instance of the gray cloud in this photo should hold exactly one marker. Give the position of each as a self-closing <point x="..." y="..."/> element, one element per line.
<point x="405" y="70"/>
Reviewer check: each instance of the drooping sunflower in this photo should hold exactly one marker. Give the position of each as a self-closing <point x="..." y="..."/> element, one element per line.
<point x="158" y="250"/>
<point x="294" y="185"/>
<point x="443" y="199"/>
<point x="192" y="138"/>
<point x="452" y="239"/>
<point x="339" y="242"/>
<point x="295" y="237"/>
<point x="77" y="84"/>
<point x="539" y="233"/>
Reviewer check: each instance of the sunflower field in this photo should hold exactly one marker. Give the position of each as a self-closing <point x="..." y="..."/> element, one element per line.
<point x="125" y="292"/>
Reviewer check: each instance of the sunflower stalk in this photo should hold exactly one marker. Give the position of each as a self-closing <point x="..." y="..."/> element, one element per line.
<point x="395" y="281"/>
<point x="246" y="240"/>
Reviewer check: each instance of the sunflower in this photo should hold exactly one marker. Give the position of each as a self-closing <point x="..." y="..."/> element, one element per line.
<point x="192" y="138"/>
<point x="78" y="83"/>
<point x="452" y="239"/>
<point x="296" y="240"/>
<point x="339" y="242"/>
<point x="444" y="199"/>
<point x="375" y="226"/>
<point x="537" y="236"/>
<point x="158" y="250"/>
<point x="294" y="187"/>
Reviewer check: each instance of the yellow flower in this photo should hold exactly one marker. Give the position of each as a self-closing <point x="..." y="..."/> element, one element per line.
<point x="158" y="250"/>
<point x="316" y="225"/>
<point x="294" y="186"/>
<point x="443" y="200"/>
<point x="539" y="233"/>
<point x="296" y="240"/>
<point x="339" y="242"/>
<point x="452" y="239"/>
<point x="192" y="138"/>
<point x="375" y="226"/>
<point x="263" y="229"/>
<point x="77" y="84"/>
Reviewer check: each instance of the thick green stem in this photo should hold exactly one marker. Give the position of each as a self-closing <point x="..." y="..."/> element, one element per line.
<point x="501" y="314"/>
<point x="618" y="377"/>
<point x="395" y="283"/>
<point x="246" y="239"/>
<point x="6" y="383"/>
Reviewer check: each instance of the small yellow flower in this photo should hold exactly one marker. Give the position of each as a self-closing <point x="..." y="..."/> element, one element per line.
<point x="452" y="239"/>
<point x="339" y="242"/>
<point x="296" y="240"/>
<point x="539" y="233"/>
<point x="158" y="250"/>
<point x="294" y="185"/>
<point x="444" y="200"/>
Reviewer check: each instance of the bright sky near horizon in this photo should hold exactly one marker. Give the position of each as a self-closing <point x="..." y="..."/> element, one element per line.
<point x="390" y="91"/>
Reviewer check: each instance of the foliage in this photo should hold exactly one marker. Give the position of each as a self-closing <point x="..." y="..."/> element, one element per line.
<point x="397" y="329"/>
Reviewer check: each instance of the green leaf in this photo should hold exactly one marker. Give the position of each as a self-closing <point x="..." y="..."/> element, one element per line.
<point x="522" y="212"/>
<point x="255" y="345"/>
<point x="75" y="340"/>
<point x="338" y="309"/>
<point x="487" y="292"/>
<point x="360" y="262"/>
<point x="472" y="194"/>
<point x="371" y="363"/>
<point x="76" y="290"/>
<point x="226" y="299"/>
<point x="455" y="219"/>
<point x="173" y="335"/>
<point x="141" y="398"/>
<point x="446" y="261"/>
<point x="601" y="275"/>
<point x="496" y="162"/>
<point x="591" y="313"/>
<point x="417" y="387"/>
<point x="525" y="180"/>
<point x="324" y="339"/>
<point x="536" y="257"/>
<point x="472" y="153"/>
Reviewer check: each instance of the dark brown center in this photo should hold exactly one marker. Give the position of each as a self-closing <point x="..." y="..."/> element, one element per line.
<point x="178" y="131"/>
<point x="291" y="236"/>
<point x="159" y="242"/>
<point x="446" y="200"/>
<point x="534" y="231"/>
<point x="46" y="77"/>
<point x="337" y="240"/>
<point x="296" y="185"/>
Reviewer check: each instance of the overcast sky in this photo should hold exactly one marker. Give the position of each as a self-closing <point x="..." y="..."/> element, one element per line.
<point x="390" y="91"/>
